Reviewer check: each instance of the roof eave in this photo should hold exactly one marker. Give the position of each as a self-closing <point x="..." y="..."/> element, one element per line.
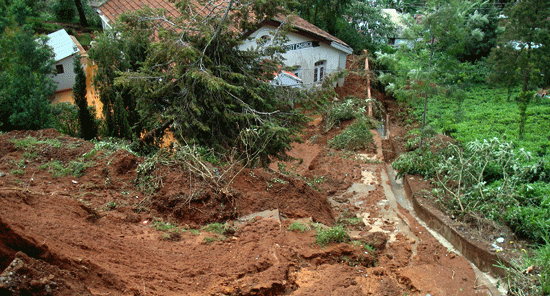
<point x="342" y="47"/>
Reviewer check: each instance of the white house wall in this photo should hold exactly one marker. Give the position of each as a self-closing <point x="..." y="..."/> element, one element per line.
<point x="66" y="79"/>
<point x="305" y="57"/>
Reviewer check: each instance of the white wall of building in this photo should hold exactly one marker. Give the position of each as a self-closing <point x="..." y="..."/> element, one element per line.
<point x="66" y="79"/>
<point x="304" y="57"/>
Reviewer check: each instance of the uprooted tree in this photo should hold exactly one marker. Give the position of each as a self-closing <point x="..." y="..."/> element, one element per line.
<point x="186" y="75"/>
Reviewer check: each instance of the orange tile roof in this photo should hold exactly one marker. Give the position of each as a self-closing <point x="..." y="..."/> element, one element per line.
<point x="301" y="24"/>
<point x="113" y="8"/>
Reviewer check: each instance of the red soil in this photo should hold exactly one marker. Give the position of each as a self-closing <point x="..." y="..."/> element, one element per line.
<point x="93" y="234"/>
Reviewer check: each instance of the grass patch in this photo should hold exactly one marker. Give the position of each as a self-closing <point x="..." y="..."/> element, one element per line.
<point x="18" y="172"/>
<point x="299" y="226"/>
<point x="335" y="234"/>
<point x="219" y="228"/>
<point x="210" y="240"/>
<point x="30" y="144"/>
<point x="164" y="226"/>
<point x="58" y="169"/>
<point x="529" y="275"/>
<point x="111" y="205"/>
<point x="351" y="221"/>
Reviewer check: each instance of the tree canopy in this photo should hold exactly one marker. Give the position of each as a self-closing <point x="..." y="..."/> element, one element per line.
<point x="26" y="65"/>
<point x="186" y="74"/>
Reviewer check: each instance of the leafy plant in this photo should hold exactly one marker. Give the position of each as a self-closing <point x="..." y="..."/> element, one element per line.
<point x="218" y="228"/>
<point x="112" y="205"/>
<point x="299" y="226"/>
<point x="210" y="240"/>
<point x="340" y="111"/>
<point x="418" y="162"/>
<point x="164" y="226"/>
<point x="354" y="137"/>
<point x="335" y="234"/>
<point x="58" y="169"/>
<point x="18" y="172"/>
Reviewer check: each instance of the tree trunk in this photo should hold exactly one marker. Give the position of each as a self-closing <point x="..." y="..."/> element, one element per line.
<point x="523" y="102"/>
<point x="81" y="14"/>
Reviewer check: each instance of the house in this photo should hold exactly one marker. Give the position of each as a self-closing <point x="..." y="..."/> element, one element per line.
<point x="311" y="52"/>
<point x="65" y="48"/>
<point x="286" y="78"/>
<point x="397" y="19"/>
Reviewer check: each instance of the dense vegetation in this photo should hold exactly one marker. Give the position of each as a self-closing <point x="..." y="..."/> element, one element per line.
<point x="497" y="169"/>
<point x="470" y="70"/>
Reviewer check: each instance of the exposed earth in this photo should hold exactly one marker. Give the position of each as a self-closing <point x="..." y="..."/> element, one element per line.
<point x="100" y="234"/>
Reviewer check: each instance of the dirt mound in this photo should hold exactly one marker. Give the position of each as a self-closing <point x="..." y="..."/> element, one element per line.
<point x="78" y="223"/>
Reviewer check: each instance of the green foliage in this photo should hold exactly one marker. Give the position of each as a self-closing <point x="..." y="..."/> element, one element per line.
<point x="88" y="126"/>
<point x="522" y="52"/>
<point x="64" y="10"/>
<point x="31" y="144"/>
<point x="65" y="118"/>
<point x="354" y="137"/>
<point x="299" y="226"/>
<point x="200" y="91"/>
<point x="112" y="205"/>
<point x="25" y="80"/>
<point x="112" y="54"/>
<point x="530" y="274"/>
<point x="530" y="221"/>
<point x="469" y="176"/>
<point x="108" y="146"/>
<point x="337" y="112"/>
<point x="335" y="234"/>
<point x="219" y="228"/>
<point x="324" y="14"/>
<point x="59" y="169"/>
<point x="18" y="172"/>
<point x="164" y="226"/>
<point x="422" y="161"/>
<point x="365" y="27"/>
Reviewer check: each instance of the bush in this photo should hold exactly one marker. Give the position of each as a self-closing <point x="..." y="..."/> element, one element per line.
<point x="65" y="119"/>
<point x="299" y="226"/>
<point x="531" y="222"/>
<point x="64" y="10"/>
<point x="356" y="136"/>
<point x="335" y="234"/>
<point x="346" y="110"/>
<point x="418" y="162"/>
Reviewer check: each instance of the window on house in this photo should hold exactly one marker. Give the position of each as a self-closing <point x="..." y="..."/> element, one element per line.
<point x="297" y="71"/>
<point x="59" y="69"/>
<point x="319" y="71"/>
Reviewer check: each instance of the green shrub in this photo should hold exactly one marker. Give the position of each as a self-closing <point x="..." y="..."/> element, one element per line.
<point x="354" y="137"/>
<point x="418" y="162"/>
<point x="65" y="118"/>
<point x="299" y="226"/>
<point x="335" y="234"/>
<point x="164" y="226"/>
<point x="532" y="222"/>
<point x="340" y="111"/>
<point x="218" y="228"/>
<point x="65" y="10"/>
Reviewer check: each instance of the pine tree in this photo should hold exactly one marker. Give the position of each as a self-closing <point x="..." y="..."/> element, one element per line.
<point x="188" y="74"/>
<point x="522" y="57"/>
<point x="25" y="79"/>
<point x="88" y="127"/>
